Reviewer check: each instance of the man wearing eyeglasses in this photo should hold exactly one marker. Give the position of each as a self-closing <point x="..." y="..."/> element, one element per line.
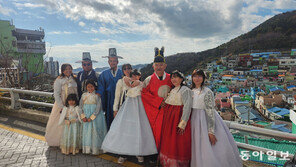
<point x="88" y="73"/>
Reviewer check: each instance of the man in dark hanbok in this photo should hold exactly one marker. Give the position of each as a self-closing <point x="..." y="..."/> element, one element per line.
<point x="88" y="73"/>
<point x="107" y="84"/>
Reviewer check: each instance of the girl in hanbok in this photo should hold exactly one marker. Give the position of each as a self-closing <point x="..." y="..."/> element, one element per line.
<point x="94" y="126"/>
<point x="64" y="85"/>
<point x="175" y="143"/>
<point x="212" y="143"/>
<point x="70" y="118"/>
<point x="130" y="132"/>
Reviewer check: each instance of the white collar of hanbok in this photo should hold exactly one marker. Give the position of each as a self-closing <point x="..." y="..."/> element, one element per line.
<point x="114" y="75"/>
<point x="163" y="77"/>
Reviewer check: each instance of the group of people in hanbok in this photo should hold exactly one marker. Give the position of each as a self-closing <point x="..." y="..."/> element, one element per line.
<point x="160" y="117"/>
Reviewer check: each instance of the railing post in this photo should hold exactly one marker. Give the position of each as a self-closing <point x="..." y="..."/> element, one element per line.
<point x="15" y="104"/>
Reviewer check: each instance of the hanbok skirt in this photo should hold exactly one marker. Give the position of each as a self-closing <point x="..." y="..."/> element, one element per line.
<point x="53" y="130"/>
<point x="71" y="138"/>
<point x="175" y="149"/>
<point x="130" y="132"/>
<point x="223" y="154"/>
<point x="94" y="132"/>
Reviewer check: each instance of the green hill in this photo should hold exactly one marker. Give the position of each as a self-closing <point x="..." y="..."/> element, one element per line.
<point x="276" y="34"/>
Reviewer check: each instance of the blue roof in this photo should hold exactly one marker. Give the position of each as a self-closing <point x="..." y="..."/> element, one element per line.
<point x="291" y="86"/>
<point x="278" y="126"/>
<point x="283" y="129"/>
<point x="275" y="89"/>
<point x="258" y="116"/>
<point x="256" y="70"/>
<point x="244" y="116"/>
<point x="279" y="111"/>
<point x="265" y="53"/>
<point x="241" y="102"/>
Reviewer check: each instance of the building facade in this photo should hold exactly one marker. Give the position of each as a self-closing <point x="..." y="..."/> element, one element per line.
<point x="24" y="45"/>
<point x="51" y="67"/>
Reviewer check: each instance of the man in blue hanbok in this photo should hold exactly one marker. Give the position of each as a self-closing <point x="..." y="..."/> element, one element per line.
<point x="88" y="73"/>
<point x="107" y="84"/>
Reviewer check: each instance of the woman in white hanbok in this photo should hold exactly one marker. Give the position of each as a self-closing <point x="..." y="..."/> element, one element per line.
<point x="64" y="85"/>
<point x="130" y="132"/>
<point x="212" y="144"/>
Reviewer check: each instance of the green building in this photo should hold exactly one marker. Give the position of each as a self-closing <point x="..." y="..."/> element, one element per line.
<point x="26" y="46"/>
<point x="220" y="69"/>
<point x="273" y="70"/>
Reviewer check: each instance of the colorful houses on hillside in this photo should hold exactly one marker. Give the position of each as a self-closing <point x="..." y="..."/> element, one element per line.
<point x="255" y="87"/>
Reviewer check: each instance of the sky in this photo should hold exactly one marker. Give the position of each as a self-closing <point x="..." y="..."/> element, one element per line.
<point x="135" y="27"/>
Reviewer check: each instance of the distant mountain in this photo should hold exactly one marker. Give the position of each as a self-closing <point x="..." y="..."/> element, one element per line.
<point x="276" y="34"/>
<point x="138" y="66"/>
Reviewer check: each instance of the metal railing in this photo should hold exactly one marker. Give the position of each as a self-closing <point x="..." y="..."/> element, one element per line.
<point x="16" y="101"/>
<point x="15" y="104"/>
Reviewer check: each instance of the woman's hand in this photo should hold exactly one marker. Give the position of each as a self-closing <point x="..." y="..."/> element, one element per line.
<point x="89" y="120"/>
<point x="212" y="139"/>
<point x="127" y="81"/>
<point x="84" y="119"/>
<point x="115" y="113"/>
<point x="135" y="83"/>
<point x="67" y="122"/>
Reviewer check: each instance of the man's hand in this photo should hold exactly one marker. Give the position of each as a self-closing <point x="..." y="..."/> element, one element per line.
<point x="162" y="104"/>
<point x="180" y="131"/>
<point x="89" y="120"/>
<point x="212" y="139"/>
<point x="98" y="94"/>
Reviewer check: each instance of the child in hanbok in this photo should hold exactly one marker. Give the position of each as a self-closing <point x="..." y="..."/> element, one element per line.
<point x="130" y="132"/>
<point x="212" y="144"/>
<point x="70" y="119"/>
<point x="94" y="126"/>
<point x="175" y="143"/>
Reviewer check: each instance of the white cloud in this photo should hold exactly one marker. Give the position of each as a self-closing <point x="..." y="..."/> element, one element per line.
<point x="91" y="31"/>
<point x="6" y="11"/>
<point x="108" y="31"/>
<point x="60" y="32"/>
<point x="82" y="24"/>
<point x="28" y="5"/>
<point x="133" y="52"/>
<point x="180" y="26"/>
<point x="95" y="39"/>
<point x="31" y="15"/>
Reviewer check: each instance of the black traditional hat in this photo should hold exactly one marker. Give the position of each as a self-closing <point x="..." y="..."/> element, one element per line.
<point x="159" y="57"/>
<point x="112" y="53"/>
<point x="86" y="57"/>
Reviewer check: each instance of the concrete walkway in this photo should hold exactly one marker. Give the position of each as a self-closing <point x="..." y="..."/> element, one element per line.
<point x="20" y="150"/>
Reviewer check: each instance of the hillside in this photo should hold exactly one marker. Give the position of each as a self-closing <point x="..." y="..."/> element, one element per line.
<point x="276" y="34"/>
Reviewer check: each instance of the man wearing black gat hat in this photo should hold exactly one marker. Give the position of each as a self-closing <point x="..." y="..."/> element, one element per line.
<point x="107" y="84"/>
<point x="88" y="73"/>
